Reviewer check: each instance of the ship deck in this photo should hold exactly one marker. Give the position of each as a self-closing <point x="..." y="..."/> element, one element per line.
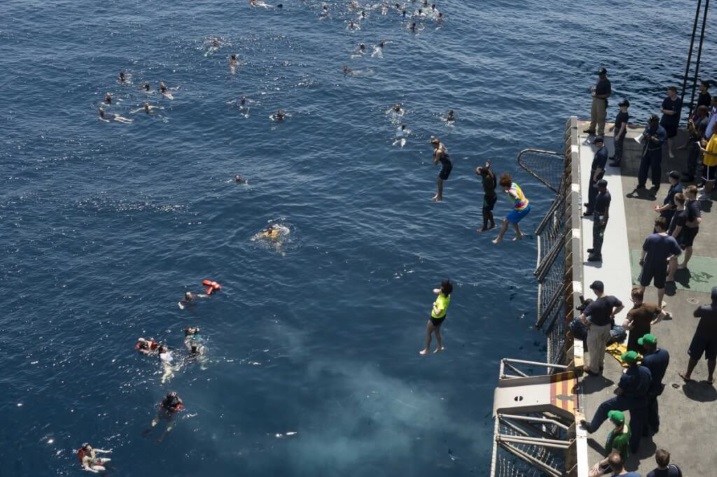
<point x="688" y="411"/>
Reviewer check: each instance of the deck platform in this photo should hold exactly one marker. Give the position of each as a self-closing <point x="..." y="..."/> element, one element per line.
<point x="688" y="411"/>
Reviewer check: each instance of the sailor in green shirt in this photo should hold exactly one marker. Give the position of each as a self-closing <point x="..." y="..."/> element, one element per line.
<point x="438" y="315"/>
<point x="618" y="440"/>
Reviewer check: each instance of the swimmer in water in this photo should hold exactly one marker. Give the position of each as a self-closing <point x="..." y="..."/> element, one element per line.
<point x="240" y="180"/>
<point x="401" y="135"/>
<point x="122" y="78"/>
<point x="190" y="299"/>
<point x="214" y="47"/>
<point x="324" y="12"/>
<point x="384" y="9"/>
<point x="359" y="51"/>
<point x="165" y="91"/>
<point x="353" y="26"/>
<point x="108" y="98"/>
<point x="348" y="71"/>
<point x="413" y="27"/>
<point x="148" y="347"/>
<point x="194" y="343"/>
<point x="396" y="111"/>
<point x="272" y="232"/>
<point x="233" y="63"/>
<point x="146" y="88"/>
<point x="258" y="3"/>
<point x="147" y="108"/>
<point x="165" y="355"/>
<point x="278" y="116"/>
<point x="438" y="316"/>
<point x="108" y="117"/>
<point x="378" y="49"/>
<point x="90" y="461"/>
<point x="450" y="117"/>
<point x="168" y="409"/>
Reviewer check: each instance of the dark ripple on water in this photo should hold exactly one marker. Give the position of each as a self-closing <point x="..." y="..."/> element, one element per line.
<point x="106" y="225"/>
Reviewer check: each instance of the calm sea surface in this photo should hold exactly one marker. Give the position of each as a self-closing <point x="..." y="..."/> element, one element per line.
<point x="103" y="226"/>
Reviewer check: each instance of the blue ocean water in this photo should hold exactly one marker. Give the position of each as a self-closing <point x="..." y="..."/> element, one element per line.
<point x="106" y="225"/>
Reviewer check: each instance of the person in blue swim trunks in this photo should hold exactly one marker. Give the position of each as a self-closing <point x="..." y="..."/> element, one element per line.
<point x="521" y="207"/>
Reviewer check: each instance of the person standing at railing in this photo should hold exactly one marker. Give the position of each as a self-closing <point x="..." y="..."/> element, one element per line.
<point x="598" y="110"/>
<point x="620" y="131"/>
<point x="601" y="214"/>
<point x="654" y="137"/>
<point x="597" y="171"/>
<point x="671" y="109"/>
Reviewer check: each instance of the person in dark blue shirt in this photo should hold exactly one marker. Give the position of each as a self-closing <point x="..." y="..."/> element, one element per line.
<point x="600" y="218"/>
<point x="631" y="394"/>
<point x="654" y="137"/>
<point x="664" y="468"/>
<point x="671" y="109"/>
<point x="598" y="317"/>
<point x="597" y="171"/>
<point x="656" y="360"/>
<point x="620" y="131"/>
<point x="657" y="250"/>
<point x="598" y="110"/>
<point x="696" y="128"/>
<point x="704" y="341"/>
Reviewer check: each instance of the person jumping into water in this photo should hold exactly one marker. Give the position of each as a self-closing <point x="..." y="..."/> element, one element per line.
<point x="521" y="207"/>
<point x="440" y="154"/>
<point x="438" y="316"/>
<point x="490" y="197"/>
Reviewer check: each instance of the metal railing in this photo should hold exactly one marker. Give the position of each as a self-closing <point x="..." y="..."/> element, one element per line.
<point x="539" y="444"/>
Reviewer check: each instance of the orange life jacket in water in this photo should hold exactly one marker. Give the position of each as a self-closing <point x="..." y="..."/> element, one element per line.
<point x="211" y="286"/>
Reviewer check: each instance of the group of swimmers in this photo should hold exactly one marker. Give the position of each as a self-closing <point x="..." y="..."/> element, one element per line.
<point x="124" y="79"/>
<point x="275" y="234"/>
<point x="171" y="404"/>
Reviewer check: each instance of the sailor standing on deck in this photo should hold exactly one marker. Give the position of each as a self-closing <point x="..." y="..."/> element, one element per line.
<point x="654" y="137"/>
<point x="656" y="360"/>
<point x="598" y="317"/>
<point x="598" y="111"/>
<point x="601" y="214"/>
<point x="597" y="171"/>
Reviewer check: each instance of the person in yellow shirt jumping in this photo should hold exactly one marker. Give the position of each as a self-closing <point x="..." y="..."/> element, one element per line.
<point x="438" y="315"/>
